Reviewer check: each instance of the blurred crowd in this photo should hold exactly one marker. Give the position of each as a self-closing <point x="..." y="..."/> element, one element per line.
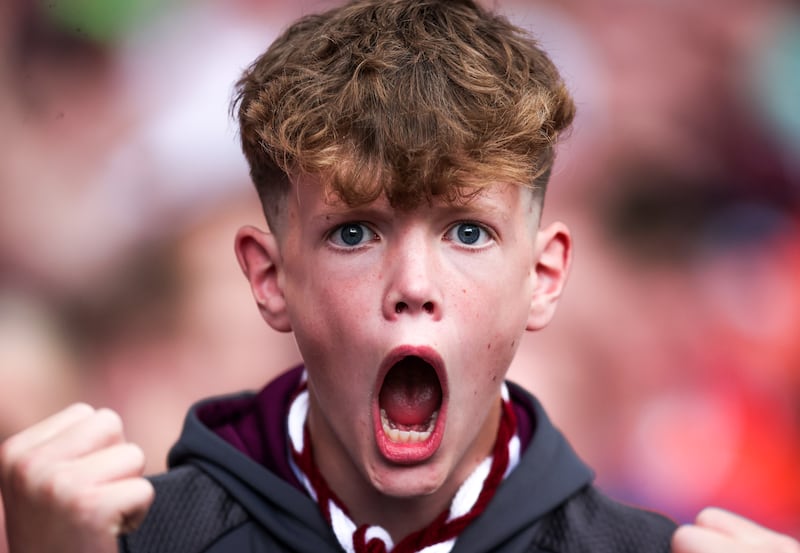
<point x="674" y="362"/>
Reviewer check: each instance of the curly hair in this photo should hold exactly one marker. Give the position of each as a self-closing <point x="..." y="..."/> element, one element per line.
<point x="408" y="98"/>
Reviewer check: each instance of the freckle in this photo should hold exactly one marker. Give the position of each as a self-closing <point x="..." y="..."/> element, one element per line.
<point x="463" y="290"/>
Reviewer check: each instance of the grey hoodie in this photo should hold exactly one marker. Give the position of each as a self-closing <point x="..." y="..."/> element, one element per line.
<point x="226" y="491"/>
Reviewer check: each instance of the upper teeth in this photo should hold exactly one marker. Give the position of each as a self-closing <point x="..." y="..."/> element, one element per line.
<point x="407" y="436"/>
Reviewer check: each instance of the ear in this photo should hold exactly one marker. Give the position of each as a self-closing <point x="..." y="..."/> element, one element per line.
<point x="260" y="260"/>
<point x="553" y="259"/>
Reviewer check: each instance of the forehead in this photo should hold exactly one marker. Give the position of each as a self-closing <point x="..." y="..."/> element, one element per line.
<point x="310" y="193"/>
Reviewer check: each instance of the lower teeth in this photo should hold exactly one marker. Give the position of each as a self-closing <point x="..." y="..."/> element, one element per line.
<point x="407" y="436"/>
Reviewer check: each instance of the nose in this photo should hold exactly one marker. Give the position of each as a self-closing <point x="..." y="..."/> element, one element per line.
<point x="413" y="285"/>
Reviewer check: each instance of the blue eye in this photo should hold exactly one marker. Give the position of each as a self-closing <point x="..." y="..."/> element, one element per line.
<point x="350" y="235"/>
<point x="469" y="234"/>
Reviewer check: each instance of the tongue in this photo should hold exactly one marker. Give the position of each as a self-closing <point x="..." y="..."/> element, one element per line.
<point x="411" y="392"/>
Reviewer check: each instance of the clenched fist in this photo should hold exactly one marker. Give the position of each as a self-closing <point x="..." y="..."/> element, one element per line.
<point x="71" y="483"/>
<point x="719" y="531"/>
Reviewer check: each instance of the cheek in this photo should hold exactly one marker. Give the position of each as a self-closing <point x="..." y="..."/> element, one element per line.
<point x="328" y="313"/>
<point x="499" y="294"/>
<point x="496" y="312"/>
<point x="317" y="289"/>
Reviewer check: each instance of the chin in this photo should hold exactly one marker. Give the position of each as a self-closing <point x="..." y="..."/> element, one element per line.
<point x="406" y="482"/>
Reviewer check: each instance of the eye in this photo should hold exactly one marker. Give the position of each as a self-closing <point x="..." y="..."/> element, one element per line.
<point x="469" y="234"/>
<point x="350" y="235"/>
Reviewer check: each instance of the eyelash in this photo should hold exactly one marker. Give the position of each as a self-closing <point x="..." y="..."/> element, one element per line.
<point x="367" y="235"/>
<point x="486" y="236"/>
<point x="336" y="233"/>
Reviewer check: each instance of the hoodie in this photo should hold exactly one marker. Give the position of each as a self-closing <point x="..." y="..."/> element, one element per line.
<point x="230" y="488"/>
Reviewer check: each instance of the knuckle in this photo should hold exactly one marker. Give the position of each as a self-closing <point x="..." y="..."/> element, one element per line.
<point x="9" y="454"/>
<point x="131" y="457"/>
<point x="146" y="493"/>
<point x="681" y="538"/>
<point x="706" y="516"/>
<point x="136" y="455"/>
<point x="18" y="474"/>
<point x="58" y="486"/>
<point x="81" y="408"/>
<point x="110" y="421"/>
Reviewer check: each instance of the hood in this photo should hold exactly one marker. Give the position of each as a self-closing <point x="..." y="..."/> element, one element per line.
<point x="240" y="441"/>
<point x="548" y="474"/>
<point x="232" y="439"/>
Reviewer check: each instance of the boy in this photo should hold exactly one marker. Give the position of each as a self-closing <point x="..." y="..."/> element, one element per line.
<point x="400" y="150"/>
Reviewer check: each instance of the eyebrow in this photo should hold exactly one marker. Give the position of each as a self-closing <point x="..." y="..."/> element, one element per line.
<point x="469" y="209"/>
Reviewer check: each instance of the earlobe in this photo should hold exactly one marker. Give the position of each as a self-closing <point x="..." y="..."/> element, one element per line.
<point x="552" y="263"/>
<point x="260" y="260"/>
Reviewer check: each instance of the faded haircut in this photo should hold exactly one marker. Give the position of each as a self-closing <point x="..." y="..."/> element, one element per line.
<point x="408" y="98"/>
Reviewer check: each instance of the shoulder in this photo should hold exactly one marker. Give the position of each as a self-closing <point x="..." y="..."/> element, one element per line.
<point x="591" y="521"/>
<point x="190" y="512"/>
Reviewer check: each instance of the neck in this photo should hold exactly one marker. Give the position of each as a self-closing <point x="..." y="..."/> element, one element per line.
<point x="399" y="516"/>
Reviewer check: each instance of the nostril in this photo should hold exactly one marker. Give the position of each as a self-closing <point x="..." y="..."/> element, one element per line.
<point x="400" y="307"/>
<point x="428" y="307"/>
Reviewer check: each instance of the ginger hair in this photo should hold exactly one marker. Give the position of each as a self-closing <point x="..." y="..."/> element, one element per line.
<point x="408" y="98"/>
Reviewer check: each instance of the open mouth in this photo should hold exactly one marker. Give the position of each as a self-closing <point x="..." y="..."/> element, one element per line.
<point x="410" y="403"/>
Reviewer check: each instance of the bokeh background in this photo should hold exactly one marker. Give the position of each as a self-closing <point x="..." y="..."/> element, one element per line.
<point x="674" y="362"/>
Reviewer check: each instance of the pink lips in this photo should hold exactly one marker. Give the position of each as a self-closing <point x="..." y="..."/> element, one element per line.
<point x="403" y="447"/>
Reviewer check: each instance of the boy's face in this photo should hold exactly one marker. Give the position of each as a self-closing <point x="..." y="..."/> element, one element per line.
<point x="407" y="322"/>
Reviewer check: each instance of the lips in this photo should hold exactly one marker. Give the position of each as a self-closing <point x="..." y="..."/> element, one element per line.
<point x="410" y="407"/>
